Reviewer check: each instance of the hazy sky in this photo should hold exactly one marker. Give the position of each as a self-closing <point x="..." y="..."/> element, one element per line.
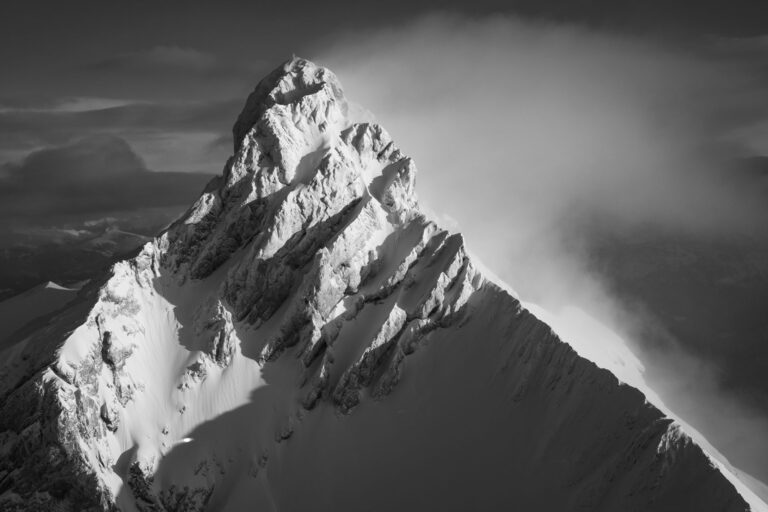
<point x="526" y="120"/>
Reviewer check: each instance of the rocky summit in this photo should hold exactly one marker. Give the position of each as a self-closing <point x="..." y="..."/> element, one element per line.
<point x="305" y="337"/>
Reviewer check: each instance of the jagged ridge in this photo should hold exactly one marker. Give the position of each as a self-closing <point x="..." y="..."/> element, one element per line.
<point x="305" y="279"/>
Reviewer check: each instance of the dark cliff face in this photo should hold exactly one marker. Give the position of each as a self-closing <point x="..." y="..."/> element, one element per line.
<point x="305" y="326"/>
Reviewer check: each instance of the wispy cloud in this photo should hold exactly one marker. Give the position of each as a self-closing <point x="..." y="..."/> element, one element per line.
<point x="176" y="62"/>
<point x="170" y="58"/>
<point x="83" y="104"/>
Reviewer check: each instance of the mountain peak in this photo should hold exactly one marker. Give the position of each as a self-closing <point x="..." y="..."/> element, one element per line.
<point x="299" y="161"/>
<point x="305" y="326"/>
<point x="289" y="84"/>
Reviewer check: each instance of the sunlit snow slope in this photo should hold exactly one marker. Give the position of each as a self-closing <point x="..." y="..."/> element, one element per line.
<point x="304" y="338"/>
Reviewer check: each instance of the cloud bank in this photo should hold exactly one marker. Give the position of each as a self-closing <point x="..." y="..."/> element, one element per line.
<point x="178" y="136"/>
<point x="92" y="176"/>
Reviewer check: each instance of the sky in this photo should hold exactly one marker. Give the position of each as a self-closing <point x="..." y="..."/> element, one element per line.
<point x="536" y="126"/>
<point x="169" y="77"/>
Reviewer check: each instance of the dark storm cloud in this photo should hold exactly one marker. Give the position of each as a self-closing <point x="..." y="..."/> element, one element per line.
<point x="92" y="176"/>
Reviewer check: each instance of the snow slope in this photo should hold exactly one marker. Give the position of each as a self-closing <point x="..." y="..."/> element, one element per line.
<point x="306" y="338"/>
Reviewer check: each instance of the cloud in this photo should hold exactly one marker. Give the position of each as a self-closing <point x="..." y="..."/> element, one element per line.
<point x="81" y="104"/>
<point x="537" y="136"/>
<point x="171" y="103"/>
<point x="191" y="126"/>
<point x="47" y="125"/>
<point x="559" y="118"/>
<point x="176" y="67"/>
<point x="164" y="58"/>
<point x="91" y="176"/>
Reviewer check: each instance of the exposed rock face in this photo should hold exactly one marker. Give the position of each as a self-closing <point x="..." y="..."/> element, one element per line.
<point x="213" y="324"/>
<point x="306" y="281"/>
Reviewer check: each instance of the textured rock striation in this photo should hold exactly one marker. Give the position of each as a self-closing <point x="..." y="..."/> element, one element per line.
<point x="305" y="326"/>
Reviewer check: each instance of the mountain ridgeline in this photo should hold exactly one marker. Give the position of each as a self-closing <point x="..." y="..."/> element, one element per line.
<point x="304" y="337"/>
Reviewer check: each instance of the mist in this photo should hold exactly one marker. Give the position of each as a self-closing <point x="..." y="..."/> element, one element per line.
<point x="530" y="135"/>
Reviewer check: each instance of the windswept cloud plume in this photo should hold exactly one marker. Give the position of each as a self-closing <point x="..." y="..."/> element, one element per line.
<point x="537" y="137"/>
<point x="556" y="118"/>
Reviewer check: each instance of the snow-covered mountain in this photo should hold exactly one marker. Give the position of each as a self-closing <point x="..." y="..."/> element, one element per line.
<point x="304" y="337"/>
